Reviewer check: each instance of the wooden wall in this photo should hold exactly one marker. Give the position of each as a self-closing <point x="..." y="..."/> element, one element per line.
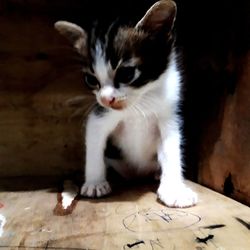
<point x="215" y="39"/>
<point x="39" y="73"/>
<point x="225" y="160"/>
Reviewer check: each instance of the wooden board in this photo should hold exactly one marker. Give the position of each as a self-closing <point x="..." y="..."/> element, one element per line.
<point x="225" y="160"/>
<point x="131" y="218"/>
<point x="39" y="73"/>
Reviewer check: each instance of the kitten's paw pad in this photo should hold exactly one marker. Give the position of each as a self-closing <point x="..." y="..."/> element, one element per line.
<point x="177" y="197"/>
<point x="95" y="189"/>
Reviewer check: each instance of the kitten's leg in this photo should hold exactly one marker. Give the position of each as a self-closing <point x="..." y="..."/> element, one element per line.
<point x="97" y="131"/>
<point x="172" y="190"/>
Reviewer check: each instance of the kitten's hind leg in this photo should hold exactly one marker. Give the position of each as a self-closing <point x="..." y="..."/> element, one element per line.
<point x="97" y="131"/>
<point x="172" y="190"/>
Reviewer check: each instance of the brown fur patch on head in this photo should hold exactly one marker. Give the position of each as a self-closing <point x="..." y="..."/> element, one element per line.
<point x="128" y="42"/>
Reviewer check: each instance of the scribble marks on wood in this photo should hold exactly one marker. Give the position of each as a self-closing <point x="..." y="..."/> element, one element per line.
<point x="159" y="220"/>
<point x="214" y="226"/>
<point x="244" y="223"/>
<point x="205" y="240"/>
<point x="135" y="244"/>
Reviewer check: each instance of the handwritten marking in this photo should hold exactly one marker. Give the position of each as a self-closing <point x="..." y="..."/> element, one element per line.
<point x="149" y="244"/>
<point x="167" y="219"/>
<point x="125" y="209"/>
<point x="165" y="216"/>
<point x="154" y="243"/>
<point x="205" y="240"/>
<point x="244" y="223"/>
<point x="136" y="243"/>
<point x="214" y="226"/>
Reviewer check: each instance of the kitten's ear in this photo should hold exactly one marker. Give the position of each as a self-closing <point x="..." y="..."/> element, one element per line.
<point x="160" y="17"/>
<point x="74" y="33"/>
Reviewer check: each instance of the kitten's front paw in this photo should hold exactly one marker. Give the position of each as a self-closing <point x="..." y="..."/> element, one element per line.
<point x="95" y="189"/>
<point x="177" y="196"/>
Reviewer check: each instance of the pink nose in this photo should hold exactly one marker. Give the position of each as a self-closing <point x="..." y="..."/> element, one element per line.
<point x="107" y="101"/>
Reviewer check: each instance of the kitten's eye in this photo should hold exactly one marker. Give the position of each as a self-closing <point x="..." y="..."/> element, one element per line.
<point x="91" y="81"/>
<point x="125" y="74"/>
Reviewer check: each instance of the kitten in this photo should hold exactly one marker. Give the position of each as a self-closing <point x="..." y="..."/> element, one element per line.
<point x="133" y="72"/>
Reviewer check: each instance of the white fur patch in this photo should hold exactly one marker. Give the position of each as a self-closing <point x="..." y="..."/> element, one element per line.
<point x="177" y="196"/>
<point x="107" y="91"/>
<point x="102" y="67"/>
<point x="156" y="103"/>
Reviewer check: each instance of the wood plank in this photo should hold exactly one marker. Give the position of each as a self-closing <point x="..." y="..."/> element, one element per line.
<point x="226" y="161"/>
<point x="130" y="218"/>
<point x="39" y="73"/>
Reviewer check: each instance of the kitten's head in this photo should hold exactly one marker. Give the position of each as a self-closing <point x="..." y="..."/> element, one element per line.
<point x="122" y="62"/>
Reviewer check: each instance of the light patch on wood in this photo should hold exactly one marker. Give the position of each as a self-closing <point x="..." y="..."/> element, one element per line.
<point x="2" y="223"/>
<point x="69" y="193"/>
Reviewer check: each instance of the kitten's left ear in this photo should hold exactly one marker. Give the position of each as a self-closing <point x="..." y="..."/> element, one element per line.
<point x="74" y="33"/>
<point x="160" y="17"/>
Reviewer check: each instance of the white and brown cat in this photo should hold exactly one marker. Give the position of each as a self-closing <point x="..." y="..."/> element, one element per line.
<point x="133" y="72"/>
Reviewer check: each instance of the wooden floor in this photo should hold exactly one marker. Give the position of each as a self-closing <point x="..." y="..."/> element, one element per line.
<point x="131" y="218"/>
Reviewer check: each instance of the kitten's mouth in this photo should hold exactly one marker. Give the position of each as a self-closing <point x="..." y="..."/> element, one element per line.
<point x="119" y="105"/>
<point x="114" y="104"/>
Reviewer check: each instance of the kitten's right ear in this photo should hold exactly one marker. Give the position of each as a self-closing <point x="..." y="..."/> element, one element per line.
<point x="74" y="33"/>
<point x="159" y="18"/>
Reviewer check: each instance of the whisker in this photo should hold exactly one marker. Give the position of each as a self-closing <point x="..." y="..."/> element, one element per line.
<point x="77" y="100"/>
<point x="82" y="111"/>
<point x="147" y="104"/>
<point x="78" y="112"/>
<point x="135" y="110"/>
<point x="140" y="110"/>
<point x="89" y="109"/>
<point x="151" y="100"/>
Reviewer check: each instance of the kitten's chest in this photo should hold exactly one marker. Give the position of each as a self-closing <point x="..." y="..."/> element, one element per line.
<point x="138" y="139"/>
